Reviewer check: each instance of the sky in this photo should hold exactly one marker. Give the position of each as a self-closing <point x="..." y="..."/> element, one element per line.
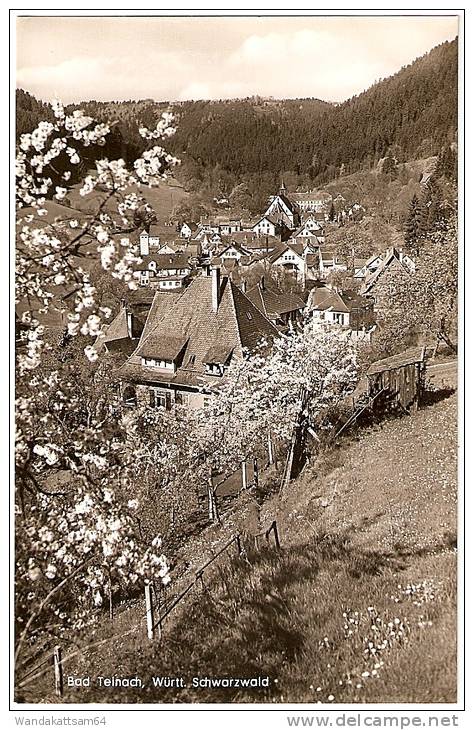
<point x="76" y="59"/>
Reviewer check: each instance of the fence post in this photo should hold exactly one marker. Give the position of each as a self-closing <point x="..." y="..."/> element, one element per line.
<point x="275" y="535"/>
<point x="255" y="473"/>
<point x="111" y="603"/>
<point x="239" y="545"/>
<point x="271" y="453"/>
<point x="210" y="504"/>
<point x="149" y="610"/>
<point x="58" y="671"/>
<point x="158" y="627"/>
<point x="244" y="474"/>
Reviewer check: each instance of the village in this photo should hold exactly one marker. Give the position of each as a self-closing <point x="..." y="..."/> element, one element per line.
<point x="236" y="409"/>
<point x="209" y="291"/>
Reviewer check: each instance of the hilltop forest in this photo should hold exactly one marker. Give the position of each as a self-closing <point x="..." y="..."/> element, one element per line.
<point x="254" y="142"/>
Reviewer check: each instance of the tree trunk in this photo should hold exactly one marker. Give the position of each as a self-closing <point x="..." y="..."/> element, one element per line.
<point x="213" y="511"/>
<point x="271" y="452"/>
<point x="449" y="342"/>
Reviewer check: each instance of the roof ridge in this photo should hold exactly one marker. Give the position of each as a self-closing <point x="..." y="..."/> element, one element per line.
<point x="235" y="317"/>
<point x="236" y="290"/>
<point x="140" y="342"/>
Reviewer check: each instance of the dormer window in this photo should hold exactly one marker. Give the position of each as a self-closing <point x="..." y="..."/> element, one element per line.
<point x="153" y="362"/>
<point x="217" y="359"/>
<point x="213" y="368"/>
<point x="164" y="352"/>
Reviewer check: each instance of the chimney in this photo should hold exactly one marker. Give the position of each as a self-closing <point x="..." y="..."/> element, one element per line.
<point x="129" y="324"/>
<point x="244" y="286"/>
<point x="144" y="245"/>
<point x="262" y="283"/>
<point x="216" y="285"/>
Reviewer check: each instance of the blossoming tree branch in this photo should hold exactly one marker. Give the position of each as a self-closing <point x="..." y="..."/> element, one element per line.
<point x="84" y="539"/>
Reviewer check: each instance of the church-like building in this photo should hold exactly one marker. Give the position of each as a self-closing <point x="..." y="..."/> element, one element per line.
<point x="282" y="209"/>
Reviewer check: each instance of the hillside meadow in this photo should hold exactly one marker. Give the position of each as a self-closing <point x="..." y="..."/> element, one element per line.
<point x="358" y="606"/>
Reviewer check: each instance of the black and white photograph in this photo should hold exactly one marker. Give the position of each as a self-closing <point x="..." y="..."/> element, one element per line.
<point x="236" y="303"/>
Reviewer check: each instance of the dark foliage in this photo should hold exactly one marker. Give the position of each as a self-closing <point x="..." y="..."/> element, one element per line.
<point x="255" y="141"/>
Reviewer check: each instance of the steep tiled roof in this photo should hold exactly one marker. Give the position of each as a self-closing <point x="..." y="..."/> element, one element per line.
<point x="392" y="256"/>
<point x="160" y="306"/>
<point x="237" y="325"/>
<point x="218" y="354"/>
<point x="310" y="231"/>
<point x="233" y="244"/>
<point x="273" y="303"/>
<point x="323" y="297"/>
<point x="297" y="248"/>
<point x="226" y="262"/>
<point x="163" y="347"/>
<point x="270" y="218"/>
<point x="118" y="328"/>
<point x="288" y="202"/>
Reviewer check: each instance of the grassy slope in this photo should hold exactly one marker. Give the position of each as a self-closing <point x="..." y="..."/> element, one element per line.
<point x="357" y="530"/>
<point x="354" y="528"/>
<point x="163" y="198"/>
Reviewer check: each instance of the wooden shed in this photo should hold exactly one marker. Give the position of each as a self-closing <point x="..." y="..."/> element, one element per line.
<point x="398" y="380"/>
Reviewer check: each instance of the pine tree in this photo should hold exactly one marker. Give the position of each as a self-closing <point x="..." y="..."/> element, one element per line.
<point x="415" y="225"/>
<point x="389" y="168"/>
<point x="447" y="164"/>
<point x="332" y="212"/>
<point x="432" y="204"/>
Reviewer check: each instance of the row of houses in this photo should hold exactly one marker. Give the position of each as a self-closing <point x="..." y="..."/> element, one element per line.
<point x="283" y="236"/>
<point x="188" y="340"/>
<point x="170" y="270"/>
<point x="280" y="219"/>
<point x="181" y="329"/>
<point x="172" y="266"/>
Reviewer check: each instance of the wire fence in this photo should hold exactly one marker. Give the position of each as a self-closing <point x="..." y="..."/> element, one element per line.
<point x="156" y="612"/>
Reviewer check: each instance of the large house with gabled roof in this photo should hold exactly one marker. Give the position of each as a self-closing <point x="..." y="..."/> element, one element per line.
<point x="163" y="271"/>
<point x="186" y="347"/>
<point x="382" y="284"/>
<point x="282" y="209"/>
<point x="345" y="309"/>
<point x="281" y="308"/>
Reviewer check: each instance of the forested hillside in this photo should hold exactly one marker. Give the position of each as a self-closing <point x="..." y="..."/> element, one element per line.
<point x="254" y="141"/>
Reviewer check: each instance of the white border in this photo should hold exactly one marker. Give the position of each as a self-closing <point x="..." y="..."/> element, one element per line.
<point x="271" y="714"/>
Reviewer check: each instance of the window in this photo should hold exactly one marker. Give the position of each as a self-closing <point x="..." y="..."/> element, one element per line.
<point x="213" y="368"/>
<point x="129" y="396"/>
<point x="158" y="398"/>
<point x="181" y="399"/>
<point x="153" y="362"/>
